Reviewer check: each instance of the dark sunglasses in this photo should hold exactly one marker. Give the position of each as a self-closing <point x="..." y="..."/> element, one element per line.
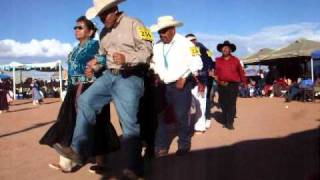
<point x="102" y="17"/>
<point x="78" y="27"/>
<point x="162" y="31"/>
<point x="105" y="13"/>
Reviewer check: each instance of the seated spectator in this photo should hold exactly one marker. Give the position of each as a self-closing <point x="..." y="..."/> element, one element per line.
<point x="317" y="86"/>
<point x="298" y="90"/>
<point x="280" y="87"/>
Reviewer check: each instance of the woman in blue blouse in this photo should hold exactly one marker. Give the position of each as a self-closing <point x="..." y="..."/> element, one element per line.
<point x="106" y="139"/>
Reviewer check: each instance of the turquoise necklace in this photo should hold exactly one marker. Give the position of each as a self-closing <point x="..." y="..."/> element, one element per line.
<point x="166" y="54"/>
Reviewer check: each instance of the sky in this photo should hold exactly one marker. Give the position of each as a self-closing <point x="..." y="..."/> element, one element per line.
<point x="41" y="30"/>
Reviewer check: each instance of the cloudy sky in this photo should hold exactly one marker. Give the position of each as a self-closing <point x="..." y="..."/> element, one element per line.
<point x="41" y="30"/>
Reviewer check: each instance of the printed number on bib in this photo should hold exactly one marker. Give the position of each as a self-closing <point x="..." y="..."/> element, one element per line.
<point x="145" y="34"/>
<point x="195" y="51"/>
<point x="209" y="53"/>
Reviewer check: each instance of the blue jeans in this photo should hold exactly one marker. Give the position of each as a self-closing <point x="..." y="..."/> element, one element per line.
<point x="126" y="93"/>
<point x="180" y="101"/>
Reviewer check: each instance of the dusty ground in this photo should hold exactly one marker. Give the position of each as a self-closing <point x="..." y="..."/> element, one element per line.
<point x="271" y="141"/>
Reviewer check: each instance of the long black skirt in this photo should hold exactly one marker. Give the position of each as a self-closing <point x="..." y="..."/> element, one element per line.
<point x="105" y="138"/>
<point x="3" y="100"/>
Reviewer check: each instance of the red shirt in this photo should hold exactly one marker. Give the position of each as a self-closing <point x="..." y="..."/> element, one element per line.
<point x="229" y="70"/>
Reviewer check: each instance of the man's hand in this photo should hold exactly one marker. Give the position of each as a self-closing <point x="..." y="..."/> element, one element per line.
<point x="89" y="68"/>
<point x="119" y="58"/>
<point x="223" y="83"/>
<point x="89" y="72"/>
<point x="92" y="63"/>
<point x="211" y="73"/>
<point x="180" y="83"/>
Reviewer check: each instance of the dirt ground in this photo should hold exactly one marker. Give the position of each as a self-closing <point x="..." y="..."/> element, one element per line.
<point x="272" y="140"/>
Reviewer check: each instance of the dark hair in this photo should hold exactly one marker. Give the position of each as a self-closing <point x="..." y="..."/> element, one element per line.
<point x="190" y="35"/>
<point x="89" y="24"/>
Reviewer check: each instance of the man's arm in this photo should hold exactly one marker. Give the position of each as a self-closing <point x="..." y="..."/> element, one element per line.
<point x="143" y="45"/>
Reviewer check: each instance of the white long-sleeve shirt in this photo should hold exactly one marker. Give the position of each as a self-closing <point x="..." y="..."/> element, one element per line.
<point x="176" y="59"/>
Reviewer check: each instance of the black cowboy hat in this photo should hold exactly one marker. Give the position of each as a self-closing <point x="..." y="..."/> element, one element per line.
<point x="226" y="43"/>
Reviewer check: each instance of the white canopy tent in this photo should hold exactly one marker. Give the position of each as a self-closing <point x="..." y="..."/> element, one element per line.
<point x="16" y="65"/>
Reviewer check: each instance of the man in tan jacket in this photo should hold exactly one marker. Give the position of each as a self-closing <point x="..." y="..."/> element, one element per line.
<point x="125" y="44"/>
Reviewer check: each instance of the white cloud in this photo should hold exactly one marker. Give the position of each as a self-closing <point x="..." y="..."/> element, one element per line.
<point x="270" y="37"/>
<point x="48" y="48"/>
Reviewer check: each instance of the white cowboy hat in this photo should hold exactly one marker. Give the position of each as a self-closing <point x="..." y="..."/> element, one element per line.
<point x="99" y="6"/>
<point x="164" y="22"/>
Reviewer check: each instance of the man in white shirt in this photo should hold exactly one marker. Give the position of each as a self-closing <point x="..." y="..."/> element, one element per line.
<point x="175" y="60"/>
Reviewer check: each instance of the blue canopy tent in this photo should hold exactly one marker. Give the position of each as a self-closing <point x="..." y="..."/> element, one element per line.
<point x="315" y="55"/>
<point x="4" y="76"/>
<point x="16" y="65"/>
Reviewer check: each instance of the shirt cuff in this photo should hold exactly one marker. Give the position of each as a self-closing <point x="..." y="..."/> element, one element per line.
<point x="101" y="59"/>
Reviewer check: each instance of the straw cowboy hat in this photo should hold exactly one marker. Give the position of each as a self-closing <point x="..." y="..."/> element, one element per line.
<point x="164" y="22"/>
<point x="99" y="6"/>
<point x="226" y="43"/>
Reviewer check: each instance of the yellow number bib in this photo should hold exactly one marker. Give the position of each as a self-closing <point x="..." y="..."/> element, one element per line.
<point x="209" y="53"/>
<point x="195" y="51"/>
<point x="145" y="34"/>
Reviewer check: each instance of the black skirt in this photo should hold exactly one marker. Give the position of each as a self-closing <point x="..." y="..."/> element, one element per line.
<point x="105" y="138"/>
<point x="3" y="100"/>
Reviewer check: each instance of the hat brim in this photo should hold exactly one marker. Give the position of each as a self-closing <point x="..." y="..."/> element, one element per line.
<point x="232" y="47"/>
<point x="93" y="11"/>
<point x="158" y="27"/>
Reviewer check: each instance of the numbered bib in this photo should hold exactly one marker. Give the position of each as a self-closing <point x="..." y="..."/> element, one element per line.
<point x="145" y="34"/>
<point x="195" y="51"/>
<point x="209" y="53"/>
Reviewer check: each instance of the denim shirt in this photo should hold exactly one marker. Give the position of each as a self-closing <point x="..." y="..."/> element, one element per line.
<point x="78" y="58"/>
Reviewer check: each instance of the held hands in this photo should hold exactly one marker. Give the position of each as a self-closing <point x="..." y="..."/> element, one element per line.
<point x="180" y="83"/>
<point x="119" y="58"/>
<point x="211" y="74"/>
<point x="89" y="68"/>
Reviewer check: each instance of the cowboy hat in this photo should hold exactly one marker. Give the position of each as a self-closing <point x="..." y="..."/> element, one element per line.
<point x="164" y="22"/>
<point x="226" y="43"/>
<point x="99" y="6"/>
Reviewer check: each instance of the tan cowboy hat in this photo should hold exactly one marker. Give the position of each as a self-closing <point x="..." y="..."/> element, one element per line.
<point x="164" y="22"/>
<point x="99" y="6"/>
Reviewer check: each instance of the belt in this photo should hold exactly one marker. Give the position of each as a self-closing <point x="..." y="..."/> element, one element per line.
<point x="115" y="72"/>
<point x="75" y="79"/>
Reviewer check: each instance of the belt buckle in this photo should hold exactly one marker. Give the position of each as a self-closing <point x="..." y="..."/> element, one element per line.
<point x="115" y="71"/>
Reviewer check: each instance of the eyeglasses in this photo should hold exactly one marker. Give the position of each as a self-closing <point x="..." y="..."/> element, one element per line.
<point x="102" y="17"/>
<point x="163" y="31"/>
<point x="105" y="13"/>
<point x="78" y="27"/>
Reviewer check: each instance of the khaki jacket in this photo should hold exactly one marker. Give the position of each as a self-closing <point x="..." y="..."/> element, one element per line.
<point x="129" y="37"/>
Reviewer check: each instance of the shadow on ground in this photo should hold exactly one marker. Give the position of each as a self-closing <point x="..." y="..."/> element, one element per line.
<point x="295" y="157"/>
<point x="38" y="125"/>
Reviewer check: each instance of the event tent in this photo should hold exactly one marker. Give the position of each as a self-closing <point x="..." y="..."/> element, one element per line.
<point x="262" y="53"/>
<point x="4" y="76"/>
<point x="289" y="59"/>
<point x="315" y="55"/>
<point x="16" y="65"/>
<point x="299" y="48"/>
